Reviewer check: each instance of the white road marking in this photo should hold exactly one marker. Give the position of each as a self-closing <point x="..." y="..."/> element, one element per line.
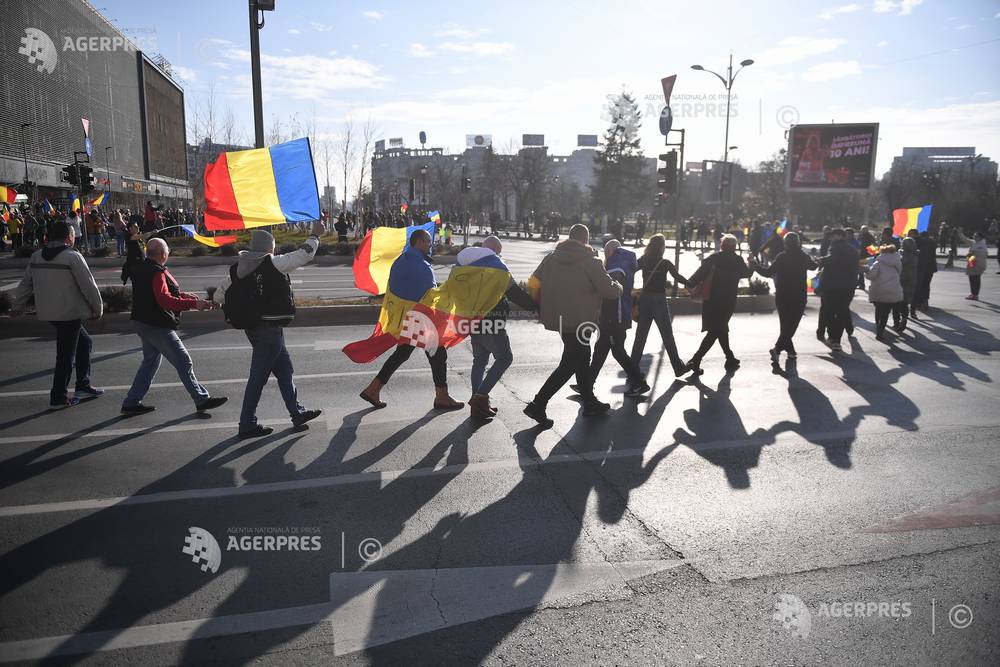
<point x="408" y="602"/>
<point x="10" y="285"/>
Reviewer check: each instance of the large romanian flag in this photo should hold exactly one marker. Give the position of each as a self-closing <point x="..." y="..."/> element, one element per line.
<point x="379" y="249"/>
<point x="432" y="317"/>
<point x="210" y="241"/>
<point x="262" y="186"/>
<point x="7" y="194"/>
<point x="905" y="219"/>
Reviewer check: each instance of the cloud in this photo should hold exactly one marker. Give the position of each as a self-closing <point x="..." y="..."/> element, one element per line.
<point x="418" y="50"/>
<point x="185" y="73"/>
<point x="307" y="77"/>
<point x="294" y="31"/>
<point x="832" y="70"/>
<point x="901" y="7"/>
<point x="478" y="48"/>
<point x="794" y="49"/>
<point x="321" y="27"/>
<point x="373" y="15"/>
<point x="964" y="26"/>
<point x="883" y="43"/>
<point x="843" y="9"/>
<point x="458" y="32"/>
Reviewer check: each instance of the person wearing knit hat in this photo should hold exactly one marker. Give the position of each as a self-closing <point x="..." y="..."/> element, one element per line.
<point x="273" y="307"/>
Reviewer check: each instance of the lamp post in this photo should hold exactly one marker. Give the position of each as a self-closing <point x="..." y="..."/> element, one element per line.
<point x="423" y="185"/>
<point x="24" y="151"/>
<point x="727" y="81"/>
<point x="107" y="166"/>
<point x="257" y="7"/>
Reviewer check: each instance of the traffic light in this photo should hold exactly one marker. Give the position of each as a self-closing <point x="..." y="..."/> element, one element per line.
<point x="466" y="185"/>
<point x="413" y="190"/>
<point x="69" y="174"/>
<point x="86" y="179"/>
<point x="668" y="184"/>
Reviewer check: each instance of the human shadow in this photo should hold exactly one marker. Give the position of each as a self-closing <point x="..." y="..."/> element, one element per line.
<point x="859" y="372"/>
<point x="715" y="432"/>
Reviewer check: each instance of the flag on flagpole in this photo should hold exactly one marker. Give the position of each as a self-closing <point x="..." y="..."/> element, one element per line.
<point x="435" y="217"/>
<point x="48" y="207"/>
<point x="905" y="219"/>
<point x="210" y="241"/>
<point x="99" y="199"/>
<point x="379" y="249"/>
<point x="783" y="228"/>
<point x="75" y="206"/>
<point x="7" y="194"/>
<point x="262" y="186"/>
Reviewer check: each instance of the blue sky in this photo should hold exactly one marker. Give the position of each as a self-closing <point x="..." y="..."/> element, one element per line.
<point x="926" y="70"/>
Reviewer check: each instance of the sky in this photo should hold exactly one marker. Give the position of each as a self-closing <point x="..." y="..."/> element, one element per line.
<point x="926" y="70"/>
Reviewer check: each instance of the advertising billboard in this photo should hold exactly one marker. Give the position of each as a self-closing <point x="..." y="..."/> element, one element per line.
<point x="831" y="158"/>
<point x="478" y="140"/>
<point x="165" y="136"/>
<point x="586" y="140"/>
<point x="532" y="139"/>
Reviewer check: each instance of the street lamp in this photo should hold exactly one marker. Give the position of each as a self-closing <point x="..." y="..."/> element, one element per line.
<point x="257" y="7"/>
<point x="727" y="81"/>
<point x="107" y="166"/>
<point x="423" y="185"/>
<point x="24" y="150"/>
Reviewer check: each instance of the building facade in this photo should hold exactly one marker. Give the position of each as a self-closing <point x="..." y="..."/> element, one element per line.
<point x="65" y="69"/>
<point x="946" y="159"/>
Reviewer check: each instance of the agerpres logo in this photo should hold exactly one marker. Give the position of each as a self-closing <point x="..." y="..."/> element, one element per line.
<point x="206" y="552"/>
<point x="39" y="49"/>
<point x="203" y="549"/>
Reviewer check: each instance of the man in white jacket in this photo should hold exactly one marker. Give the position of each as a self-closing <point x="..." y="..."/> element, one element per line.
<point x="273" y="307"/>
<point x="65" y="294"/>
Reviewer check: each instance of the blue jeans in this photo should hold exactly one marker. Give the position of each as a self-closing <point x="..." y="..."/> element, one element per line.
<point x="484" y="345"/>
<point x="269" y="356"/>
<point x="654" y="308"/>
<point x="159" y="342"/>
<point x="120" y="238"/>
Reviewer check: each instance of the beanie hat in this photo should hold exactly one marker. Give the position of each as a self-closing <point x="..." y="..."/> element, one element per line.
<point x="261" y="241"/>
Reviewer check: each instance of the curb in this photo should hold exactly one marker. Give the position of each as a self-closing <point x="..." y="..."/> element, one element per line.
<point x="314" y="316"/>
<point x="215" y="260"/>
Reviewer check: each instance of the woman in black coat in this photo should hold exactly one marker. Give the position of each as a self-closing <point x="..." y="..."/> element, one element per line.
<point x="789" y="272"/>
<point x="727" y="269"/>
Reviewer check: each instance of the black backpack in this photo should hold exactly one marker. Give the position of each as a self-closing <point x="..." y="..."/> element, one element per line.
<point x="264" y="295"/>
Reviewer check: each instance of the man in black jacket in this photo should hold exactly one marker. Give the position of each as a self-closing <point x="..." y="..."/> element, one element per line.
<point x="157" y="303"/>
<point x="840" y="274"/>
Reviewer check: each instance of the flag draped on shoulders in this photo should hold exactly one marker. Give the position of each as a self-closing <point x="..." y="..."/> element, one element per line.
<point x="418" y="312"/>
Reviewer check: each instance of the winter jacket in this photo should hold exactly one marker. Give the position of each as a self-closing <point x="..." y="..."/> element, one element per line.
<point x="979" y="252"/>
<point x="840" y="268"/>
<point x="62" y="284"/>
<point x="621" y="267"/>
<point x="884" y="276"/>
<point x="910" y="257"/>
<point x="156" y="297"/>
<point x="727" y="269"/>
<point x="248" y="262"/>
<point x="570" y="284"/>
<point x="789" y="272"/>
<point x="498" y="316"/>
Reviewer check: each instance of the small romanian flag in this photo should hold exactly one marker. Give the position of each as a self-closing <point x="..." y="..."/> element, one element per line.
<point x="48" y="207"/>
<point x="872" y="250"/>
<point x="783" y="228"/>
<point x="379" y="249"/>
<point x="210" y="241"/>
<point x="99" y="199"/>
<point x="75" y="206"/>
<point x="7" y="194"/>
<point x="905" y="219"/>
<point x="261" y="186"/>
<point x="403" y="208"/>
<point x="435" y="217"/>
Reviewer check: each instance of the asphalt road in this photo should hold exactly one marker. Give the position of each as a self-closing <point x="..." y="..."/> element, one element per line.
<point x="855" y="498"/>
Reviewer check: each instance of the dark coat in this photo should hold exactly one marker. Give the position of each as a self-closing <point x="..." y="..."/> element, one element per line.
<point x="789" y="272"/>
<point x="717" y="310"/>
<point x="840" y="268"/>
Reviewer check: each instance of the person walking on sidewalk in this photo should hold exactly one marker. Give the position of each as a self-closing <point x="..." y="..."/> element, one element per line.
<point x="157" y="303"/>
<point x="489" y="336"/>
<point x="910" y="258"/>
<point x="616" y="320"/>
<point x="724" y="270"/>
<point x="413" y="269"/>
<point x="840" y="276"/>
<point x="569" y="285"/>
<point x="789" y="272"/>
<point x="65" y="295"/>
<point x="257" y="297"/>
<point x="653" y="305"/>
<point x="975" y="265"/>
<point x="885" y="289"/>
<point x="926" y="268"/>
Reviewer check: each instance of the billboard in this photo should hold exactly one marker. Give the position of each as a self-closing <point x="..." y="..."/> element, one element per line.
<point x="395" y="142"/>
<point x="380" y="146"/>
<point x="831" y="158"/>
<point x="165" y="135"/>
<point x="532" y="139"/>
<point x="586" y="140"/>
<point x="478" y="140"/>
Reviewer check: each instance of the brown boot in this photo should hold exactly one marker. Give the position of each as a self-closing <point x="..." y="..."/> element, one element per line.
<point x="493" y="408"/>
<point x="443" y="401"/>
<point x="479" y="406"/>
<point x="371" y="394"/>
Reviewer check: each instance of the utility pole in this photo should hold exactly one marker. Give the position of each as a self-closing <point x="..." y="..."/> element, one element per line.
<point x="257" y="7"/>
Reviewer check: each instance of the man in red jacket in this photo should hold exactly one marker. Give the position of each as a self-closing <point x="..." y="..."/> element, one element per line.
<point x="157" y="303"/>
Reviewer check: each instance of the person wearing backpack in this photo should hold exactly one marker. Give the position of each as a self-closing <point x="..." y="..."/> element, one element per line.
<point x="257" y="297"/>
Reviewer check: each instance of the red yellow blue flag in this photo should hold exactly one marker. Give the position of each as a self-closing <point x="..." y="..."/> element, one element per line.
<point x="905" y="219"/>
<point x="210" y="241"/>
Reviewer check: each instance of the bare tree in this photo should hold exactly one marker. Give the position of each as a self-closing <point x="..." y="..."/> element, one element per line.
<point x="368" y="133"/>
<point x="346" y="153"/>
<point x="276" y="132"/>
<point x="326" y="154"/>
